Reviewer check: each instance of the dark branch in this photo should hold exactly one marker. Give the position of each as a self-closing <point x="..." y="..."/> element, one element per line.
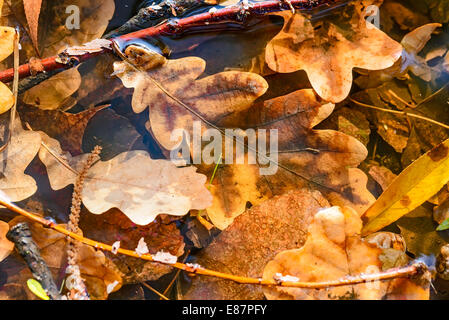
<point x="20" y="234"/>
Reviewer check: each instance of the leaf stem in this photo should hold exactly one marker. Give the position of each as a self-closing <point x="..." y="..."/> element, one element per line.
<point x="146" y="285"/>
<point x="403" y="113"/>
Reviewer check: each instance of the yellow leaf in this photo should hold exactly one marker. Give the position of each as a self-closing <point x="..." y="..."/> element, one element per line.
<point x="6" y="98"/>
<point x="6" y="48"/>
<point x="334" y="250"/>
<point x="6" y="42"/>
<point x="415" y="185"/>
<point x="6" y="246"/>
<point x="36" y="288"/>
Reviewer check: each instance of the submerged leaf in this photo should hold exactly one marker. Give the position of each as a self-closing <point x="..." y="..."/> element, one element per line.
<point x="253" y="239"/>
<point x="51" y="93"/>
<point x="334" y="250"/>
<point x="20" y="151"/>
<point x="112" y="226"/>
<point x="6" y="246"/>
<point x="329" y="53"/>
<point x="418" y="230"/>
<point x="139" y="186"/>
<point x="32" y="12"/>
<point x="68" y="128"/>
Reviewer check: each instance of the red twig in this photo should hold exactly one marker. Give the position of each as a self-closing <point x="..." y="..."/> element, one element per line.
<point x="231" y="14"/>
<point x="48" y="64"/>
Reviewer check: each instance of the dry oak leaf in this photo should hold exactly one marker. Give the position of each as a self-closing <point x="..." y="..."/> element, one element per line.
<point x="325" y="160"/>
<point x="20" y="151"/>
<point x="253" y="239"/>
<point x="94" y="16"/>
<point x="139" y="186"/>
<point x="52" y="93"/>
<point x="322" y="159"/>
<point x="94" y="19"/>
<point x="413" y="43"/>
<point x="7" y="35"/>
<point x="212" y="97"/>
<point x="112" y="226"/>
<point x="6" y="246"/>
<point x="68" y="128"/>
<point x="32" y="12"/>
<point x="382" y="175"/>
<point x="328" y="54"/>
<point x="97" y="271"/>
<point x="334" y="249"/>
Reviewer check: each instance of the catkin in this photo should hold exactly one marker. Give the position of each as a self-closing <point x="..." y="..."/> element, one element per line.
<point x="74" y="282"/>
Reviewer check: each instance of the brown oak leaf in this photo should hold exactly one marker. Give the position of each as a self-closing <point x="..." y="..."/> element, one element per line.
<point x="334" y="249"/>
<point x="211" y="98"/>
<point x="6" y="246"/>
<point x="161" y="235"/>
<point x="68" y="128"/>
<point x="320" y="159"/>
<point x="133" y="182"/>
<point x="19" y="152"/>
<point x="328" y="50"/>
<point x="32" y="12"/>
<point x="253" y="239"/>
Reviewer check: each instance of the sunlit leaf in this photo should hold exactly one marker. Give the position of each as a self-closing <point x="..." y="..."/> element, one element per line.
<point x="415" y="185"/>
<point x="444" y="225"/>
<point x="36" y="288"/>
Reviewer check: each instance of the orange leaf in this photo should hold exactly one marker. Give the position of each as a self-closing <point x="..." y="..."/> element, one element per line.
<point x="32" y="12"/>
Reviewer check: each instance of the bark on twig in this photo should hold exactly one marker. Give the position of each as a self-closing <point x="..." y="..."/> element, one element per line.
<point x="20" y="234"/>
<point x="232" y="14"/>
<point x="145" y="18"/>
<point x="30" y="82"/>
<point x="418" y="270"/>
<point x="152" y="15"/>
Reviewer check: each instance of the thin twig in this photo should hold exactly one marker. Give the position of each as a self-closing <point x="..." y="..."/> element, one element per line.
<point x="154" y="290"/>
<point x="416" y="269"/>
<point x="20" y="234"/>
<point x="176" y="275"/>
<point x="403" y="113"/>
<point x="236" y="14"/>
<point x="432" y="95"/>
<point x="400" y="99"/>
<point x="15" y="86"/>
